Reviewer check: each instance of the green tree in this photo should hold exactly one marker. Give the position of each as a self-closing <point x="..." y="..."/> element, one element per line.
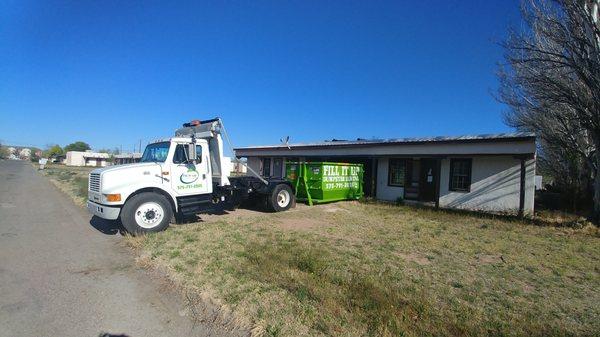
<point x="77" y="146"/>
<point x="53" y="150"/>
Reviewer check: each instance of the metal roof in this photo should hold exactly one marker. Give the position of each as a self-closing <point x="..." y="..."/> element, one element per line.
<point x="497" y="137"/>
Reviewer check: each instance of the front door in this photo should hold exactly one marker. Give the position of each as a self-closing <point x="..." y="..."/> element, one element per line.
<point x="189" y="178"/>
<point x="427" y="181"/>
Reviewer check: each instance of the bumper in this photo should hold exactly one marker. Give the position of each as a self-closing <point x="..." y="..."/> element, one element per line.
<point x="105" y="212"/>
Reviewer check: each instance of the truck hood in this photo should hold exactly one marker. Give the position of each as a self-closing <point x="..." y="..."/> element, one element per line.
<point x="124" y="167"/>
<point x="124" y="179"/>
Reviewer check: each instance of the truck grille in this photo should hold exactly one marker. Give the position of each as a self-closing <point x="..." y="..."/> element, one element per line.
<point x="95" y="182"/>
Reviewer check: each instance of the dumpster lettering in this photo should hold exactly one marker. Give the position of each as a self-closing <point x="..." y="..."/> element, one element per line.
<point x="339" y="177"/>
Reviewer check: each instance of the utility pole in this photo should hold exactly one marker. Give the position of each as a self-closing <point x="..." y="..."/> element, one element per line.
<point x="140" y="147"/>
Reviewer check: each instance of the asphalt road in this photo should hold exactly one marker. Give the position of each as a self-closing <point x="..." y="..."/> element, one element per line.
<point x="61" y="276"/>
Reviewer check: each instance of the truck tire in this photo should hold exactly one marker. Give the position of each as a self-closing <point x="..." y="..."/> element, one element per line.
<point x="146" y="212"/>
<point x="281" y="199"/>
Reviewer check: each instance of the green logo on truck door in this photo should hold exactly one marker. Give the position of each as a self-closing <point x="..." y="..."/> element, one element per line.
<point x="190" y="176"/>
<point x="189" y="179"/>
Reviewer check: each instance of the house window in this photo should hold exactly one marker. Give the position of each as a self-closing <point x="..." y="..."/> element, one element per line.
<point x="397" y="172"/>
<point x="460" y="174"/>
<point x="266" y="167"/>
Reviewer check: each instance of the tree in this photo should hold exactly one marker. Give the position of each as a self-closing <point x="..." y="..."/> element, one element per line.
<point x="53" y="150"/>
<point x="551" y="84"/>
<point x="77" y="146"/>
<point x="4" y="152"/>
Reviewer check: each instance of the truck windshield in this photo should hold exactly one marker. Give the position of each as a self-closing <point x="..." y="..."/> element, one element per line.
<point x="156" y="152"/>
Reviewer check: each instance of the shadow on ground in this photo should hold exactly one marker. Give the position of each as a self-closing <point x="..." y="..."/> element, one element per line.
<point x="108" y="227"/>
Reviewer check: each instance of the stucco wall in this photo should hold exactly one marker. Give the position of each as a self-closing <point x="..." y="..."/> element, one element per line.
<point x="254" y="163"/>
<point x="495" y="185"/>
<point x="385" y="192"/>
<point x="74" y="158"/>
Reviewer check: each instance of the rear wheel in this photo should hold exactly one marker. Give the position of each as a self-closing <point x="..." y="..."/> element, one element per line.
<point x="281" y="199"/>
<point x="146" y="213"/>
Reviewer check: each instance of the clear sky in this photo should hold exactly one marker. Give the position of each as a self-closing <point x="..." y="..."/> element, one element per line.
<point x="112" y="73"/>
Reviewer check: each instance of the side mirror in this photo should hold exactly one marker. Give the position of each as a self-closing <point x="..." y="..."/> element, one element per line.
<point x="192" y="155"/>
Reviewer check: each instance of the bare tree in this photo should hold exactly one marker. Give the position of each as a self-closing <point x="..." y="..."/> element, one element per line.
<point x="551" y="83"/>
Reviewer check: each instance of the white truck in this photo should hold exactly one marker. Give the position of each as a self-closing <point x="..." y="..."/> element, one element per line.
<point x="177" y="177"/>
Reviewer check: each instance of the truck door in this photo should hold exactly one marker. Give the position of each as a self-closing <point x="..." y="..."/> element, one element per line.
<point x="189" y="178"/>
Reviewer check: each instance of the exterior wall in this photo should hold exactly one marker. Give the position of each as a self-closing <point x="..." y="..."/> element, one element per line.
<point x="75" y="158"/>
<point x="495" y="185"/>
<point x="255" y="163"/>
<point x="78" y="158"/>
<point x="101" y="162"/>
<point x="385" y="192"/>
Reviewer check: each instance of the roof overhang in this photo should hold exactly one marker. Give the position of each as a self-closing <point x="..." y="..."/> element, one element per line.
<point x="489" y="145"/>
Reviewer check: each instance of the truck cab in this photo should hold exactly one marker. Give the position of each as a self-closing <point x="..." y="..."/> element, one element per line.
<point x="183" y="175"/>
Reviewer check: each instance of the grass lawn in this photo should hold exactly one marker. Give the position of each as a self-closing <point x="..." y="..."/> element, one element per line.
<point x="355" y="269"/>
<point x="369" y="269"/>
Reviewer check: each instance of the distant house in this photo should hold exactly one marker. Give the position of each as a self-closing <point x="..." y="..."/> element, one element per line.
<point x="492" y="173"/>
<point x="237" y="167"/>
<point x="25" y="153"/>
<point x="127" y="158"/>
<point x="86" y="158"/>
<point x="58" y="158"/>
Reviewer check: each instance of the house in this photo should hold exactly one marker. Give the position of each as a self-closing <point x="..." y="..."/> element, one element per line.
<point x="25" y="153"/>
<point x="127" y="158"/>
<point x="238" y="167"/>
<point x="58" y="158"/>
<point x="86" y="158"/>
<point x="493" y="172"/>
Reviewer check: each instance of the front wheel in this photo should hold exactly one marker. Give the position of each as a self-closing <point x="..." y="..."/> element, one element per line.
<point x="146" y="213"/>
<point x="281" y="199"/>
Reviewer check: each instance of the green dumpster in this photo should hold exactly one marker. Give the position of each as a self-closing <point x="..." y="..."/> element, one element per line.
<point x="320" y="182"/>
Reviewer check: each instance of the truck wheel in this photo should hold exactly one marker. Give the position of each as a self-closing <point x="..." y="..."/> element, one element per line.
<point x="281" y="199"/>
<point x="146" y="213"/>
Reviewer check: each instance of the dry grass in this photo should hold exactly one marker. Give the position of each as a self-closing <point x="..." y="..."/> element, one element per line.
<point x="69" y="179"/>
<point x="352" y="269"/>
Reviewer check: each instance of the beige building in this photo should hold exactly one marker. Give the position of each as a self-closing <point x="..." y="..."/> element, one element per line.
<point x="127" y="158"/>
<point x="86" y="158"/>
<point x="494" y="173"/>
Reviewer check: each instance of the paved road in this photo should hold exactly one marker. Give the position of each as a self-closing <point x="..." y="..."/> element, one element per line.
<point x="60" y="276"/>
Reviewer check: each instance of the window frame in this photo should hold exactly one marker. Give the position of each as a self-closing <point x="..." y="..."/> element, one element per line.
<point x="469" y="175"/>
<point x="404" y="162"/>
<point x="185" y="151"/>
<point x="263" y="161"/>
<point x="153" y="147"/>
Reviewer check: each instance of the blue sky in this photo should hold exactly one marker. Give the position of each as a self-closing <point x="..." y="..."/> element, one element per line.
<point x="112" y="73"/>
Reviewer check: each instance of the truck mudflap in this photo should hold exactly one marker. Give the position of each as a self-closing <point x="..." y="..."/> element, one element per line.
<point x="103" y="211"/>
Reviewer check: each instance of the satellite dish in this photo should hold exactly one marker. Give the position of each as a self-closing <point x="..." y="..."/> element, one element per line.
<point x="285" y="141"/>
